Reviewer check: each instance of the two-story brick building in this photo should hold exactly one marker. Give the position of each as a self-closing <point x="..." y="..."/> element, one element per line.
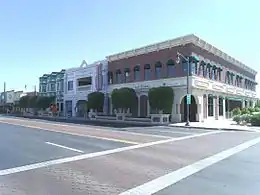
<point x="217" y="81"/>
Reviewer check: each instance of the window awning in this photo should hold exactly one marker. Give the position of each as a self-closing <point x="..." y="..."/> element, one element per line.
<point x="202" y="63"/>
<point x="214" y="67"/>
<point x="158" y="64"/>
<point x="137" y="68"/>
<point x="170" y="62"/>
<point x="195" y="58"/>
<point x="209" y="65"/>
<point x="147" y="66"/>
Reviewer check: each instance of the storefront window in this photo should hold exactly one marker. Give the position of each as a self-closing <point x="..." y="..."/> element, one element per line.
<point x="210" y="106"/>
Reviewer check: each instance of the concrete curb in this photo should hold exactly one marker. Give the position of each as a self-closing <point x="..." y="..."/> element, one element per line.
<point x="209" y="128"/>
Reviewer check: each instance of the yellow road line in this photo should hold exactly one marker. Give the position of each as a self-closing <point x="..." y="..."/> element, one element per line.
<point x="72" y="133"/>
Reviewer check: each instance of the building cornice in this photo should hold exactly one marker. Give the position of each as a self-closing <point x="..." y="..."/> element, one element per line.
<point x="177" y="42"/>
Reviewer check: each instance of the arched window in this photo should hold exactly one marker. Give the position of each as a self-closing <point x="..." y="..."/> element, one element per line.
<point x="127" y="75"/>
<point x="170" y="68"/>
<point x="147" y="72"/>
<point x="137" y="73"/>
<point x="110" y="77"/>
<point x="158" y="70"/>
<point x="118" y="76"/>
<point x="202" y="68"/>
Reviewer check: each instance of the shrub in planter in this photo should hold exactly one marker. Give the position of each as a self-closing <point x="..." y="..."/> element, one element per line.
<point x="257" y="109"/>
<point x="236" y="111"/>
<point x="255" y="120"/>
<point x="245" y="111"/>
<point x="251" y="109"/>
<point x="237" y="119"/>
<point x="246" y="118"/>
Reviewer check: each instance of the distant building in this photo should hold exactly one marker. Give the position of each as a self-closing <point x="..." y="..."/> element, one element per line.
<point x="53" y="85"/>
<point x="81" y="81"/>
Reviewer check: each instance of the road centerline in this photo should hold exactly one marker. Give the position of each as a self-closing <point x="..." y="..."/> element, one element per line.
<point x="97" y="154"/>
<point x="73" y="133"/>
<point x="64" y="147"/>
<point x="169" y="179"/>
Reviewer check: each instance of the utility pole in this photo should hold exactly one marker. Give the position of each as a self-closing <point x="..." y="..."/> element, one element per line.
<point x="4" y="96"/>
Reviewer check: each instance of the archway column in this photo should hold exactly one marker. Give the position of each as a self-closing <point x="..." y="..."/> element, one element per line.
<point x="200" y="108"/>
<point x="176" y="109"/>
<point x="139" y="108"/>
<point x="217" y="107"/>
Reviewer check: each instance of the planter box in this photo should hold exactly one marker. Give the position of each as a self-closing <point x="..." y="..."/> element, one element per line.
<point x="92" y="115"/>
<point x="120" y="116"/>
<point x="160" y="118"/>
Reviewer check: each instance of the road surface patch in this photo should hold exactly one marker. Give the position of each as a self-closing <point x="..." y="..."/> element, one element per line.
<point x="162" y="182"/>
<point x="92" y="155"/>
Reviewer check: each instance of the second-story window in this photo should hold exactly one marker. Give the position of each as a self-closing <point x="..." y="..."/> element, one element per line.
<point x="118" y="76"/>
<point x="53" y="87"/>
<point x="137" y="73"/>
<point x="201" y="68"/>
<point x="147" y="72"/>
<point x="219" y="71"/>
<point x="209" y="73"/>
<point x="158" y="70"/>
<point x="127" y="75"/>
<point x="170" y="68"/>
<point x="70" y="85"/>
<point x="110" y="77"/>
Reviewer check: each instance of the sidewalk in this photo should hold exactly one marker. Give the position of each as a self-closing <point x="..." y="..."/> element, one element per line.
<point x="218" y="125"/>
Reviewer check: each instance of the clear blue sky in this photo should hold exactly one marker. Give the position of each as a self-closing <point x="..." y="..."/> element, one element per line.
<point x="42" y="36"/>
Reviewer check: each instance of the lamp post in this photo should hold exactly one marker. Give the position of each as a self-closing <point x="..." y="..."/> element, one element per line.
<point x="188" y="97"/>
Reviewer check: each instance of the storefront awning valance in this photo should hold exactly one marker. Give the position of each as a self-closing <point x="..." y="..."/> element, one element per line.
<point x="234" y="98"/>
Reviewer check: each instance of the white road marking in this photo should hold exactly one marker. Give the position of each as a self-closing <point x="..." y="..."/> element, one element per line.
<point x="96" y="154"/>
<point x="65" y="147"/>
<point x="167" y="180"/>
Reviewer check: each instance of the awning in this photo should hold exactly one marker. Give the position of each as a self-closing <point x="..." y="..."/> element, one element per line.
<point x="158" y="64"/>
<point x="209" y="65"/>
<point x="170" y="62"/>
<point x="202" y="63"/>
<point x="147" y="66"/>
<point x="137" y="68"/>
<point x="234" y="98"/>
<point x="195" y="58"/>
<point x="214" y="67"/>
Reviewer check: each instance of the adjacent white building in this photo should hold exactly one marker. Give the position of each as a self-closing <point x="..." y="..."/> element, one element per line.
<point x="79" y="82"/>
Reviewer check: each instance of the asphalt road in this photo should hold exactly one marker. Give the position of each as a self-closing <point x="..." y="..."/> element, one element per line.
<point x="39" y="157"/>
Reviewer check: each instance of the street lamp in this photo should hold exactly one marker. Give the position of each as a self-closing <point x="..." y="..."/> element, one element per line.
<point x="188" y="97"/>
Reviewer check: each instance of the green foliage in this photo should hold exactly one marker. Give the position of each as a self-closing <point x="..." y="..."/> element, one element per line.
<point x="245" y="111"/>
<point x="237" y="119"/>
<point x="43" y="102"/>
<point x="251" y="109"/>
<point x="33" y="101"/>
<point x="161" y="99"/>
<point x="124" y="98"/>
<point x="236" y="111"/>
<point x="257" y="109"/>
<point x="96" y="101"/>
<point x="246" y="118"/>
<point x="24" y="102"/>
<point x="255" y="120"/>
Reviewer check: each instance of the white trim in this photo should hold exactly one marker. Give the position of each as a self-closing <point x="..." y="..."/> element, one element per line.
<point x="177" y="42"/>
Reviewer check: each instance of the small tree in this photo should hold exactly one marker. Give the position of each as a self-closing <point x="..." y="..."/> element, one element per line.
<point x="33" y="101"/>
<point x="124" y="98"/>
<point x="24" y="101"/>
<point x="161" y="99"/>
<point x="44" y="102"/>
<point x="96" y="101"/>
